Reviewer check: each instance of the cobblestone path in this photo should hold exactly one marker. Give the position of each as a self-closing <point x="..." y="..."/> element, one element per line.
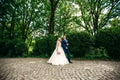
<point x="38" y="69"/>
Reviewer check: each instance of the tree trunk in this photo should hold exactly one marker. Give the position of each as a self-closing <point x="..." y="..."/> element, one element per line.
<point x="2" y="30"/>
<point x="51" y="24"/>
<point x="11" y="35"/>
<point x="52" y="15"/>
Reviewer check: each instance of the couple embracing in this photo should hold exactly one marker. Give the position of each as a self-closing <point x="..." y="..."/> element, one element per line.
<point x="61" y="51"/>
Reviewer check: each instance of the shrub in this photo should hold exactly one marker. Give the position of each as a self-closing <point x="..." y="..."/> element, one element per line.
<point x="44" y="46"/>
<point x="13" y="48"/>
<point x="21" y="48"/>
<point x="80" y="43"/>
<point x="3" y="49"/>
<point x="109" y="38"/>
<point x="97" y="53"/>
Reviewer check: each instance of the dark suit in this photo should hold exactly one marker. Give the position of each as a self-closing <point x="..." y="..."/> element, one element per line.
<point x="65" y="48"/>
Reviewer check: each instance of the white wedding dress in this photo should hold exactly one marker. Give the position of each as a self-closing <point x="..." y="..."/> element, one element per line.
<point x="58" y="59"/>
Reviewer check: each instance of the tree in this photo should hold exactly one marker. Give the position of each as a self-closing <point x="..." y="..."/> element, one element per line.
<point x="95" y="14"/>
<point x="5" y="13"/>
<point x="115" y="22"/>
<point x="18" y="18"/>
<point x="53" y="4"/>
<point x="64" y="16"/>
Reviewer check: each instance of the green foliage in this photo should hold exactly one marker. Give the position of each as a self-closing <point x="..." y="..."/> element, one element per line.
<point x="95" y="14"/>
<point x="13" y="48"/>
<point x="109" y="38"/>
<point x="115" y="22"/>
<point x="97" y="53"/>
<point x="3" y="50"/>
<point x="44" y="46"/>
<point x="79" y="43"/>
<point x="23" y="19"/>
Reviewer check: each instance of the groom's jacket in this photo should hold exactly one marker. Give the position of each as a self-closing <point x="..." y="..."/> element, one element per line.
<point x="64" y="45"/>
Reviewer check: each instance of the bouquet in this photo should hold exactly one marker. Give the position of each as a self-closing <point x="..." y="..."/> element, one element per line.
<point x="58" y="52"/>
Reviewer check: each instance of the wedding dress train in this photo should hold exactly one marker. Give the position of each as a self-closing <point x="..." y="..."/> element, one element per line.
<point x="58" y="57"/>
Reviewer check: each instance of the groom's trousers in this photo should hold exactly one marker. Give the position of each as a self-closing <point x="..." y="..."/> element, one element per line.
<point x="68" y="54"/>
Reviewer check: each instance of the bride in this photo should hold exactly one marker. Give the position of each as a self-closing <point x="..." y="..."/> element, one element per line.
<point x="58" y="57"/>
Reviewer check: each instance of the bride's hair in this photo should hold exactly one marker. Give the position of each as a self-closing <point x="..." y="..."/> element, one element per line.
<point x="59" y="39"/>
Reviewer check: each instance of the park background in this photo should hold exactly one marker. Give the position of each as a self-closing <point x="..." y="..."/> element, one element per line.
<point x="30" y="28"/>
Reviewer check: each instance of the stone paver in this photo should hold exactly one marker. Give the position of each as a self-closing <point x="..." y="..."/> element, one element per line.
<point x="38" y="69"/>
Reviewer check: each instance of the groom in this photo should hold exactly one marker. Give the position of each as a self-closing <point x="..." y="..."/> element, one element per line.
<point x="65" y="47"/>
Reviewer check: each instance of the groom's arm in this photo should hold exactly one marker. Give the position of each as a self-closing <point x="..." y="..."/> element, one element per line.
<point x="67" y="43"/>
<point x="64" y="44"/>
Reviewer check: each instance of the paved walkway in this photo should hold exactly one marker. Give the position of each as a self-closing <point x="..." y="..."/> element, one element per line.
<point x="38" y="69"/>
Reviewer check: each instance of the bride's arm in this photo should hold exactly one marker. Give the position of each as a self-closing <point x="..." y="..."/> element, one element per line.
<point x="57" y="47"/>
